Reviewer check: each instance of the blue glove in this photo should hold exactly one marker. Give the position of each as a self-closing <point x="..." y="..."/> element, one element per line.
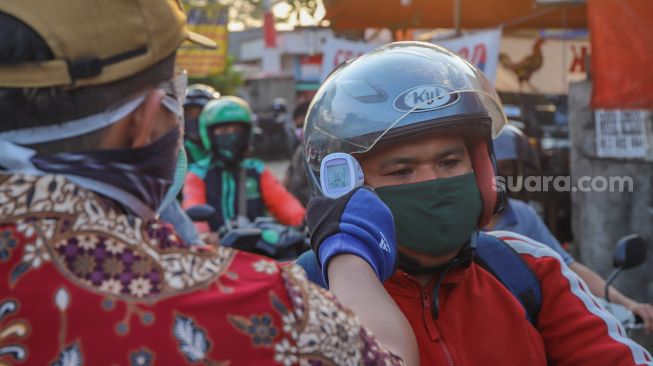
<point x="358" y="223"/>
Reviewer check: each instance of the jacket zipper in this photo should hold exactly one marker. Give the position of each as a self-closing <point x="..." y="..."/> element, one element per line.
<point x="433" y="332"/>
<point x="426" y="314"/>
<point x="447" y="353"/>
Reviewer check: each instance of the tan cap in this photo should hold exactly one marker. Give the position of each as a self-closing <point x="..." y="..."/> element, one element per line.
<point x="97" y="41"/>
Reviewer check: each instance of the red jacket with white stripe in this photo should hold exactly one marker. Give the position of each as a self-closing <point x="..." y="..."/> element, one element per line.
<point x="482" y="323"/>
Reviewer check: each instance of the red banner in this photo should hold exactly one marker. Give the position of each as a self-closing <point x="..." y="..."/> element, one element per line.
<point x="622" y="53"/>
<point x="269" y="33"/>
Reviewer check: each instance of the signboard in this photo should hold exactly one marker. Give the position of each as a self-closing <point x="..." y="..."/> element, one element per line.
<point x="541" y="65"/>
<point x="210" y="21"/>
<point x="481" y="49"/>
<point x="310" y="68"/>
<point x="621" y="133"/>
<point x="337" y="51"/>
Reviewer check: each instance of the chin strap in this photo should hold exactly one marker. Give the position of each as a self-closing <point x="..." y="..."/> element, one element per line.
<point x="463" y="259"/>
<point x="412" y="266"/>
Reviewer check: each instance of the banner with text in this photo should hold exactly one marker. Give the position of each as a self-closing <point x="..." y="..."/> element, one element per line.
<point x="337" y="51"/>
<point x="541" y="64"/>
<point x="481" y="49"/>
<point x="621" y="133"/>
<point x="210" y="21"/>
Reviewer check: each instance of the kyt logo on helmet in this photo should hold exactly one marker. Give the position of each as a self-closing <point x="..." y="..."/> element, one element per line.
<point x="425" y="98"/>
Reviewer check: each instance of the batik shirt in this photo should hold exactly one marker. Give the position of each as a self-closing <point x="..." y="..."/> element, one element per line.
<point x="85" y="283"/>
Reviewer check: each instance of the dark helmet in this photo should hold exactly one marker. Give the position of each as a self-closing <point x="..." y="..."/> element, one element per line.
<point x="279" y="105"/>
<point x="401" y="91"/>
<point x="512" y="144"/>
<point x="199" y="95"/>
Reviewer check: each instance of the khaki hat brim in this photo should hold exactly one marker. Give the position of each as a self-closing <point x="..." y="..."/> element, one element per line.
<point x="201" y="40"/>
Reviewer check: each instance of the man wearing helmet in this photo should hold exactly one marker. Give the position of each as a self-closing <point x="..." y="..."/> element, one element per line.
<point x="197" y="95"/>
<point x="513" y="153"/>
<point x="226" y="179"/>
<point x="420" y="121"/>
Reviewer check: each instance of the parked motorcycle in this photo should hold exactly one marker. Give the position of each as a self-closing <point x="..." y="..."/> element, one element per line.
<point x="262" y="236"/>
<point x="630" y="252"/>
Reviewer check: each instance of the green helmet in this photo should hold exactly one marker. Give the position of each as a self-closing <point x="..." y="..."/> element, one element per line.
<point x="221" y="111"/>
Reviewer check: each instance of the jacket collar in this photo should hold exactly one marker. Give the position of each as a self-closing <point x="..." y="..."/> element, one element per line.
<point x="403" y="284"/>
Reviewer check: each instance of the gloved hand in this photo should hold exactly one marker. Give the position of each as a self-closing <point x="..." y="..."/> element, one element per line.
<point x="358" y="223"/>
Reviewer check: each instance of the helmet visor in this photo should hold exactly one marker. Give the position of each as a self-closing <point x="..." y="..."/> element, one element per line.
<point x="337" y="133"/>
<point x="364" y="100"/>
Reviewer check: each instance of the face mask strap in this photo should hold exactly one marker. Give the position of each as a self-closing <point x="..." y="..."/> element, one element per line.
<point x="173" y="105"/>
<point x="175" y="93"/>
<point x="173" y="101"/>
<point x="178" y="181"/>
<point x="74" y="128"/>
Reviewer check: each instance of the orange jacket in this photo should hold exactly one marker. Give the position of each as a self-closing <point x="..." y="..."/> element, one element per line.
<point x="280" y="203"/>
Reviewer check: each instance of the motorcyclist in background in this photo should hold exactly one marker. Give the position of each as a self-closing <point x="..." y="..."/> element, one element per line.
<point x="420" y="121"/>
<point x="229" y="181"/>
<point x="513" y="152"/>
<point x="295" y="178"/>
<point x="197" y="95"/>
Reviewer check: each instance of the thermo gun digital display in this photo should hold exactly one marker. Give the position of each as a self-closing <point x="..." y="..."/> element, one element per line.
<point x="340" y="173"/>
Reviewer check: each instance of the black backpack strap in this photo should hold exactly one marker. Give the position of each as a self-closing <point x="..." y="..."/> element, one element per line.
<point x="511" y="270"/>
<point x="242" y="192"/>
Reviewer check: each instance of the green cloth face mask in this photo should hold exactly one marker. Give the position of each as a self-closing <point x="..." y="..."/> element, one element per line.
<point x="230" y="147"/>
<point x="435" y="217"/>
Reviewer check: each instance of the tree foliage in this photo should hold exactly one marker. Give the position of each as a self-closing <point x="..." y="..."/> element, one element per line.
<point x="226" y="83"/>
<point x="250" y="12"/>
<point x="296" y="7"/>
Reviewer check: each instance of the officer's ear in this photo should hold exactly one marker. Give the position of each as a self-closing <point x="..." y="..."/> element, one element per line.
<point x="143" y="128"/>
<point x="136" y="129"/>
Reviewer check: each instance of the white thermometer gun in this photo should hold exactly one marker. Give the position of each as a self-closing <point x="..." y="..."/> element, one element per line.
<point x="340" y="173"/>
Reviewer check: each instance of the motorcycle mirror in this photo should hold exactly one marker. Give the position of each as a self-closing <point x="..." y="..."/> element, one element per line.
<point x="257" y="131"/>
<point x="630" y="252"/>
<point x="200" y="212"/>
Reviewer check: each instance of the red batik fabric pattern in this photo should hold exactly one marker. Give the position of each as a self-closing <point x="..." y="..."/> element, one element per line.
<point x="84" y="283"/>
